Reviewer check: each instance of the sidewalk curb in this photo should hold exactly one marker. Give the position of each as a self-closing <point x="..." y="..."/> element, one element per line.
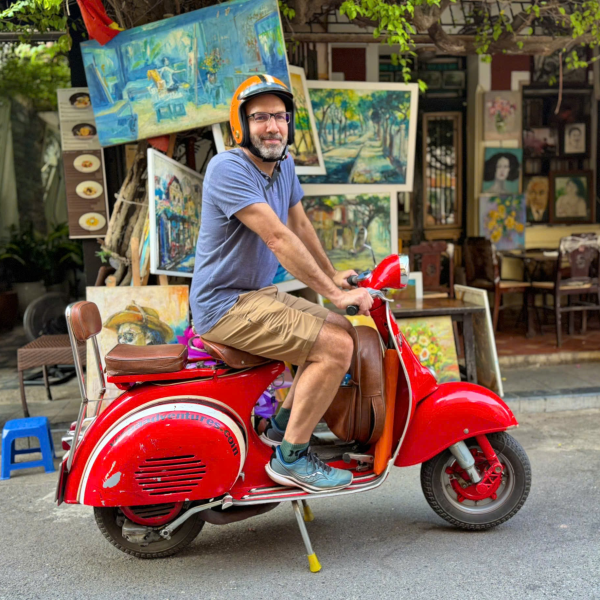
<point x="558" y="400"/>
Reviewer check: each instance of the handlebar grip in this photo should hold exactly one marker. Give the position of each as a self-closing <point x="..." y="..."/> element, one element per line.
<point x="352" y="280"/>
<point x="352" y="310"/>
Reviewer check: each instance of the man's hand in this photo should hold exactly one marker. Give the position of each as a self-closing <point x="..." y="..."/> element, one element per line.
<point x="340" y="278"/>
<point x="359" y="297"/>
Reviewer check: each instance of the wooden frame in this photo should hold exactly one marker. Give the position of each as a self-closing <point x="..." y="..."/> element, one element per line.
<point x="583" y="124"/>
<point x="457" y="117"/>
<point x="589" y="175"/>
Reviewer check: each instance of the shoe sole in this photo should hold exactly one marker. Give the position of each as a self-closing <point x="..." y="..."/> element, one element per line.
<point x="289" y="482"/>
<point x="268" y="441"/>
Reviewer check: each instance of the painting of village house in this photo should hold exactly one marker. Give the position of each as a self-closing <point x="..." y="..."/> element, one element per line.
<point x="367" y="133"/>
<point x="181" y="72"/>
<point x="141" y="316"/>
<point x="175" y="198"/>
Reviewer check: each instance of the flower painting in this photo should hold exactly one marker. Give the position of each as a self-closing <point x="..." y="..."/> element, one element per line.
<point x="502" y="115"/>
<point x="502" y="220"/>
<point x="432" y="340"/>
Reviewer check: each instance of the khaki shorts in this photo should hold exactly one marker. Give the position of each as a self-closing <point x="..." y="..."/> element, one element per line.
<point x="272" y="324"/>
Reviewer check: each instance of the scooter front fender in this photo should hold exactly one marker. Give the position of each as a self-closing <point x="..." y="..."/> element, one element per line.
<point x="453" y="412"/>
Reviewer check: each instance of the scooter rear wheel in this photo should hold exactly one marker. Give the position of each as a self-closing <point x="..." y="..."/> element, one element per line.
<point x="110" y="521"/>
<point x="487" y="513"/>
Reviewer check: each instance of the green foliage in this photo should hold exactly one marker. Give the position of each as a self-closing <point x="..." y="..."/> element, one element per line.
<point x="28" y="255"/>
<point x="31" y="16"/>
<point x="33" y="73"/>
<point x="286" y="11"/>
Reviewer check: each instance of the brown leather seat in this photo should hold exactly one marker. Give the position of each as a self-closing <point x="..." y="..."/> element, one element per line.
<point x="236" y="359"/>
<point x="125" y="359"/>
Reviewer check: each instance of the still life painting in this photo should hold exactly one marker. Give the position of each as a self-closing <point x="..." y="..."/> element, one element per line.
<point x="141" y="316"/>
<point x="432" y="340"/>
<point x="175" y="198"/>
<point x="502" y="220"/>
<point x="181" y="72"/>
<point x="367" y="133"/>
<point x="502" y="115"/>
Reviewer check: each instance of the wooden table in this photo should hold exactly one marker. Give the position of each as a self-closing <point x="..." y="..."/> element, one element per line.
<point x="458" y="310"/>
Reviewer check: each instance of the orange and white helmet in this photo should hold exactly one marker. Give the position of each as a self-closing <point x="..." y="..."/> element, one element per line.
<point x="252" y="87"/>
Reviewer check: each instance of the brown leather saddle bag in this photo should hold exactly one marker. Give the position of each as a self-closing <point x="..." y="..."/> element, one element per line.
<point x="358" y="410"/>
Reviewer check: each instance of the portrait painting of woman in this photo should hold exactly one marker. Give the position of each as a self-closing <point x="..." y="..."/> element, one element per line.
<point x="571" y="197"/>
<point x="502" y="171"/>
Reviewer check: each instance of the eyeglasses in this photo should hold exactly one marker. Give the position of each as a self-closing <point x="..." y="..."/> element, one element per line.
<point x="263" y="118"/>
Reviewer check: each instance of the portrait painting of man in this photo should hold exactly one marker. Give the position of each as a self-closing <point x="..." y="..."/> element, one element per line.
<point x="536" y="199"/>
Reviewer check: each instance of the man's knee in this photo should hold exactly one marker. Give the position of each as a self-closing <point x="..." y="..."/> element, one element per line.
<point x="336" y="346"/>
<point x="339" y="320"/>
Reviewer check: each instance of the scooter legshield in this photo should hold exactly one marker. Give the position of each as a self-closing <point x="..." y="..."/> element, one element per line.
<point x="453" y="412"/>
<point x="167" y="453"/>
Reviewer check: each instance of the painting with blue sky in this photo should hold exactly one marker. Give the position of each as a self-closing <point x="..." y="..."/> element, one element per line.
<point x="181" y="72"/>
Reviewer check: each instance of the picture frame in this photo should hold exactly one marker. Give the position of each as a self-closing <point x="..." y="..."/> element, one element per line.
<point x="575" y="140"/>
<point x="174" y="206"/>
<point x="502" y="115"/>
<point x="502" y="220"/>
<point x="536" y="189"/>
<point x="502" y="171"/>
<point x="433" y="79"/>
<point x="453" y="80"/>
<point x="540" y="142"/>
<point x="351" y="168"/>
<point x="572" y="197"/>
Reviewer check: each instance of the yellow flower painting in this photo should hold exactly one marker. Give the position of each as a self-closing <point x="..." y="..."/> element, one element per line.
<point x="502" y="220"/>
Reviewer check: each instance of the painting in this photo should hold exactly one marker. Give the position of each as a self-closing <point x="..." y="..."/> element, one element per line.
<point x="540" y="142"/>
<point x="502" y="220"/>
<point x="180" y="73"/>
<point x="486" y="356"/>
<point x="502" y="170"/>
<point x="306" y="150"/>
<point x="175" y="199"/>
<point x="536" y="190"/>
<point x="367" y="133"/>
<point x="502" y="115"/>
<point x="571" y="197"/>
<point x="142" y="316"/>
<point x="413" y="291"/>
<point x="432" y="340"/>
<point x="575" y="139"/>
<point x="454" y="80"/>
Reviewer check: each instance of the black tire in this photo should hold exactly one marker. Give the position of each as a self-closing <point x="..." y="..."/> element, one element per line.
<point x="108" y="520"/>
<point x="478" y="516"/>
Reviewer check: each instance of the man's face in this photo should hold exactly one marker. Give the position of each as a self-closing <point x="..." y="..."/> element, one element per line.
<point x="537" y="195"/>
<point x="132" y="334"/>
<point x="270" y="139"/>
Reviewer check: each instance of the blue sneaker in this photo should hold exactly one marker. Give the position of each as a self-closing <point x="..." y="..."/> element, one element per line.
<point x="309" y="472"/>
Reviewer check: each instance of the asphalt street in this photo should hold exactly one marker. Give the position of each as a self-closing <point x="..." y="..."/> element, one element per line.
<point x="382" y="544"/>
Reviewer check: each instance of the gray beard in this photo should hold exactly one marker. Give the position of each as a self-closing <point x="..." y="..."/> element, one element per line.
<point x="267" y="152"/>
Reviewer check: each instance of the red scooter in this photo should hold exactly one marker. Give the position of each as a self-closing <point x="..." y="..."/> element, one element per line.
<point x="178" y="447"/>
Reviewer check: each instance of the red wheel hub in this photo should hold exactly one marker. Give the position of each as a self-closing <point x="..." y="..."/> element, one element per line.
<point x="152" y="515"/>
<point x="486" y="488"/>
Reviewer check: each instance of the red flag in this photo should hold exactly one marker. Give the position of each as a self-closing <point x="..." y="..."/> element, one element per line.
<point x="99" y="25"/>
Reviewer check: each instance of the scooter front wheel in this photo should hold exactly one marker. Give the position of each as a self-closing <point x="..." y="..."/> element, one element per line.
<point x="437" y="476"/>
<point x="110" y="522"/>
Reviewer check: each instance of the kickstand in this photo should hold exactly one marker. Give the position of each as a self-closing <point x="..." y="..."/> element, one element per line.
<point x="313" y="561"/>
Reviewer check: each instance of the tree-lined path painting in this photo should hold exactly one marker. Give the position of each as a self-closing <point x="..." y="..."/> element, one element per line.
<point x="365" y="134"/>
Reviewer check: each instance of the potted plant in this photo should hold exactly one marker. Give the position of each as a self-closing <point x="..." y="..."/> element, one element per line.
<point x="64" y="257"/>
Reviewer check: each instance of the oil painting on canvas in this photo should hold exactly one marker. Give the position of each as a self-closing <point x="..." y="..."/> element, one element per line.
<point x="175" y="198"/>
<point x="141" y="316"/>
<point x="432" y="340"/>
<point x="367" y="133"/>
<point x="181" y="72"/>
<point x="502" y="115"/>
<point x="502" y="220"/>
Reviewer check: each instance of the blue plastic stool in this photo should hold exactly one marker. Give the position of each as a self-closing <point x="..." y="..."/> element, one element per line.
<point x="38" y="427"/>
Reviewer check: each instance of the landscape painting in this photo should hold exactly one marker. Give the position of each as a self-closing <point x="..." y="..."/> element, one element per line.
<point x="175" y="198"/>
<point x="141" y="316"/>
<point x="181" y="72"/>
<point x="367" y="133"/>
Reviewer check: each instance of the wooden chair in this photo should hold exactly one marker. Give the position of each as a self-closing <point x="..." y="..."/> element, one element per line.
<point x="427" y="258"/>
<point x="483" y="267"/>
<point x="580" y="254"/>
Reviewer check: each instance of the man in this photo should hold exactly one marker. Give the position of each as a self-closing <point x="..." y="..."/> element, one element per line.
<point x="575" y="141"/>
<point x="252" y="218"/>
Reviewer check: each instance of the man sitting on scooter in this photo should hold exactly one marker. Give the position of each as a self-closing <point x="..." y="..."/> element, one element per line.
<point x="252" y="218"/>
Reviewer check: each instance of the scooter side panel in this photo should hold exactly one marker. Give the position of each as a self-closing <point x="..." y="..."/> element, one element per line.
<point x="453" y="412"/>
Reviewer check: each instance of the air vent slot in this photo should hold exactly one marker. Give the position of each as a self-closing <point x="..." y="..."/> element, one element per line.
<point x="170" y="474"/>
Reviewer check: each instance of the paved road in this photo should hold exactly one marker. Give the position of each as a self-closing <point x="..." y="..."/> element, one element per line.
<point x="386" y="544"/>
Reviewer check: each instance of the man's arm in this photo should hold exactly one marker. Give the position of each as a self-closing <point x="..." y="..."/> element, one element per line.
<point x="296" y="258"/>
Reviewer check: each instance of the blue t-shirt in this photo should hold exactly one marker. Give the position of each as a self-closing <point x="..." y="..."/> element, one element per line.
<point x="230" y="258"/>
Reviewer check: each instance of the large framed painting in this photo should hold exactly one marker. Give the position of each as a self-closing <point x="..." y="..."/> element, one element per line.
<point x="571" y="197"/>
<point x="502" y="220"/>
<point x="306" y="150"/>
<point x="175" y="202"/>
<point x="486" y="356"/>
<point x="432" y="340"/>
<point x="367" y="133"/>
<point x="181" y="72"/>
<point x="141" y="316"/>
<point x="502" y="170"/>
<point x="502" y="115"/>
